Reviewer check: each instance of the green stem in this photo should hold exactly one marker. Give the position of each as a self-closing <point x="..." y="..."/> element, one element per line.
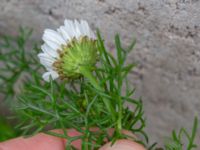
<point x="90" y="77"/>
<point x="119" y="121"/>
<point x="120" y="104"/>
<point x="88" y="74"/>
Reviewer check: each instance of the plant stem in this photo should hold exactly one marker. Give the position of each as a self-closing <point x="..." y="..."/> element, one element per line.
<point x="120" y="103"/>
<point x="88" y="74"/>
<point x="119" y="121"/>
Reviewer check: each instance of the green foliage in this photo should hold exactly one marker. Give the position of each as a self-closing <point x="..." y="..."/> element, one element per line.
<point x="91" y="104"/>
<point x="176" y="141"/>
<point x="6" y="131"/>
<point x="17" y="62"/>
<point x="79" y="104"/>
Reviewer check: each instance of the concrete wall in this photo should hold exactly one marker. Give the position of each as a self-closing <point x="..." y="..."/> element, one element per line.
<point x="167" y="50"/>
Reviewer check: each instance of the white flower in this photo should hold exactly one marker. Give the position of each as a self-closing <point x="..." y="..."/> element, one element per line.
<point x="54" y="41"/>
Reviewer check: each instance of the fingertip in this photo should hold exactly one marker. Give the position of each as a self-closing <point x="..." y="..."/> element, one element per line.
<point x="37" y="142"/>
<point x="123" y="145"/>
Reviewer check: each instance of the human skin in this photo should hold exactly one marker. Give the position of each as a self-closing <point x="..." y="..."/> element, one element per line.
<point x="43" y="141"/>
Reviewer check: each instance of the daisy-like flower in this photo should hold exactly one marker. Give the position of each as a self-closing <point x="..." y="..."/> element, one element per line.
<point x="67" y="50"/>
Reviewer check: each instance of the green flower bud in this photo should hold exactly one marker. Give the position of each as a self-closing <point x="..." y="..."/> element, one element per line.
<point x="77" y="54"/>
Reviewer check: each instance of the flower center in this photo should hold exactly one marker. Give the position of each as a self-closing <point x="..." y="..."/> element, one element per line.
<point x="77" y="53"/>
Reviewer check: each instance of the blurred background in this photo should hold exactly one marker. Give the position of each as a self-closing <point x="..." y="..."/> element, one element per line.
<point x="167" y="52"/>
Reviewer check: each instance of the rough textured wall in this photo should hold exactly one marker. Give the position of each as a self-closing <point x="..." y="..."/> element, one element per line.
<point x="167" y="51"/>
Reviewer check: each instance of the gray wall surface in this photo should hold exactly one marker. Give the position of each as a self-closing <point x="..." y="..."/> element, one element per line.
<point x="167" y="52"/>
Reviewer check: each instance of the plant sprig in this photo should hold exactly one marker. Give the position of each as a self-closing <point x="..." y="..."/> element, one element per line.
<point x="80" y="105"/>
<point x="176" y="141"/>
<point x="18" y="62"/>
<point x="92" y="104"/>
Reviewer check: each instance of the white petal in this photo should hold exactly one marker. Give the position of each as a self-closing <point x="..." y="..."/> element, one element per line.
<point x="48" y="50"/>
<point x="81" y="28"/>
<point x="53" y="38"/>
<point x="46" y="56"/>
<point x="77" y="29"/>
<point x="48" y="75"/>
<point x="85" y="27"/>
<point x="64" y="33"/>
<point x="46" y="60"/>
<point x="70" y="28"/>
<point x="52" y="45"/>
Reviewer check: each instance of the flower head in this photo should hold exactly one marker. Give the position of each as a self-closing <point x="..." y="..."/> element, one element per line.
<point x="68" y="49"/>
